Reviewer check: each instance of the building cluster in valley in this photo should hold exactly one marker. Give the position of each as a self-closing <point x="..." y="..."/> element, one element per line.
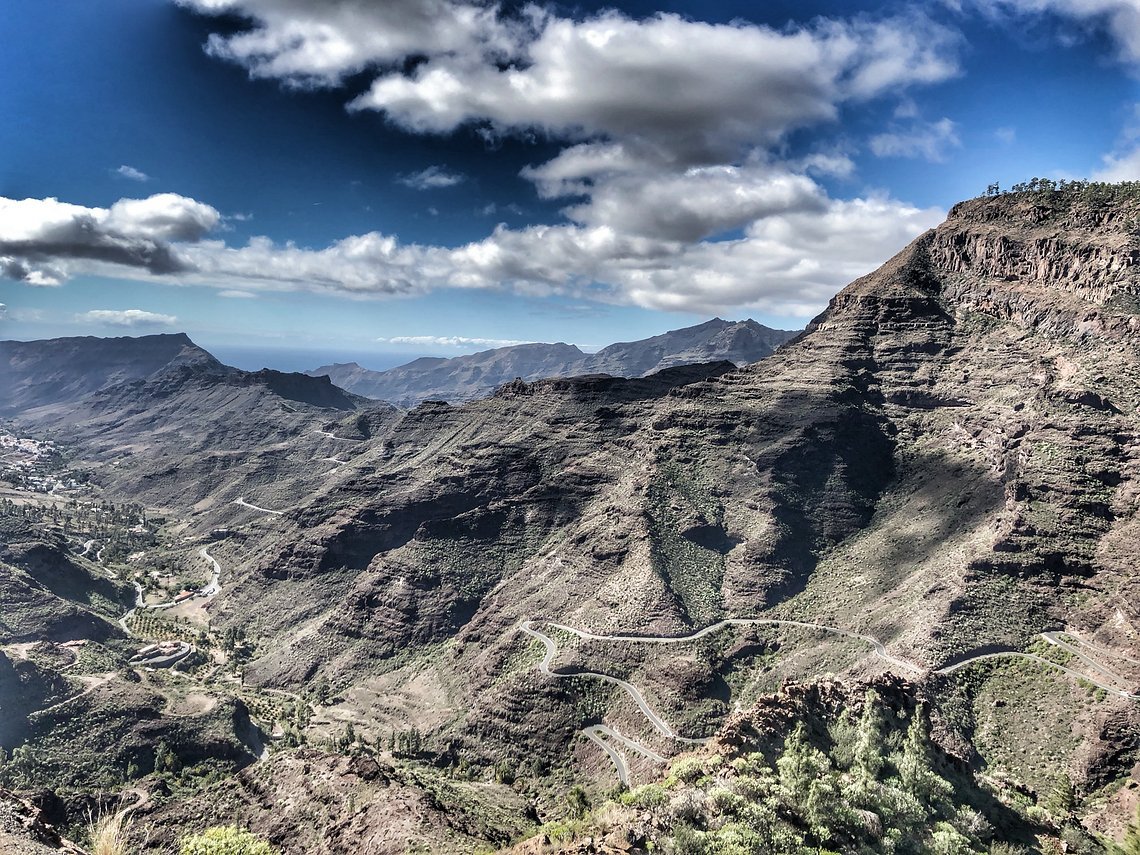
<point x="33" y="464"/>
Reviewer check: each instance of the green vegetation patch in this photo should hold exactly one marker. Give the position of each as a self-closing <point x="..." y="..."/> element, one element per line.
<point x="679" y="500"/>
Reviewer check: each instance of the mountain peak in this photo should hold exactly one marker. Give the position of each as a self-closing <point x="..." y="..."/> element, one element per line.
<point x="1063" y="261"/>
<point x="477" y="375"/>
<point x="67" y="369"/>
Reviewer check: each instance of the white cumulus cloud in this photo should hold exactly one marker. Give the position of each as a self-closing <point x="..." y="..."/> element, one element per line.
<point x="131" y="173"/>
<point x="928" y="140"/>
<point x="789" y="259"/>
<point x="319" y="44"/>
<point x="1120" y="166"/>
<point x="693" y="91"/>
<point x="42" y="240"/>
<point x="126" y="318"/>
<point x="432" y="178"/>
<point x="671" y="129"/>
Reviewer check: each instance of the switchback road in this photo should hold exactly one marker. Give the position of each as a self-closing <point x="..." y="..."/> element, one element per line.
<point x="605" y="737"/>
<point x="241" y="501"/>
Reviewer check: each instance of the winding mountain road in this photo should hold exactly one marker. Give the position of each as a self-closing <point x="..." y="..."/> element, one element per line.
<point x="1032" y="657"/>
<point x="213" y="586"/>
<point x="208" y="591"/>
<point x="325" y="433"/>
<point x="1056" y="640"/>
<point x="876" y="646"/>
<point x="605" y="737"/>
<point x="241" y="501"/>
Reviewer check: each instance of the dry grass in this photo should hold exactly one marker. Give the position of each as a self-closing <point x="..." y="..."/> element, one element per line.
<point x="108" y="836"/>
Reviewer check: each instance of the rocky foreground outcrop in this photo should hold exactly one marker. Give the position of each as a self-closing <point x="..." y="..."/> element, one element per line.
<point x="24" y="831"/>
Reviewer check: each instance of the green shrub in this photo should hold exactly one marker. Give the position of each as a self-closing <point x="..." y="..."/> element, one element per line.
<point x="648" y="796"/>
<point x="225" y="840"/>
<point x="688" y="769"/>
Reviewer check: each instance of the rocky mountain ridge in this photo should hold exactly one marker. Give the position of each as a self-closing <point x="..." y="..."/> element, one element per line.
<point x="943" y="468"/>
<point x="465" y="378"/>
<point x="971" y="467"/>
<point x="66" y="370"/>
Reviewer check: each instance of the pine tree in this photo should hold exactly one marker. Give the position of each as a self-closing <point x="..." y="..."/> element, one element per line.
<point x="868" y="761"/>
<point x="915" y="765"/>
<point x="577" y="802"/>
<point x="800" y="765"/>
<point x="165" y="760"/>
<point x="1061" y="799"/>
<point x="1130" y="845"/>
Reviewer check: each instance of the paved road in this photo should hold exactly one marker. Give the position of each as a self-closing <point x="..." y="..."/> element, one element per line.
<point x="595" y="734"/>
<point x="605" y="736"/>
<point x="207" y="592"/>
<point x="874" y="643"/>
<point x="325" y="433"/>
<point x="241" y="501"/>
<point x="552" y="650"/>
<point x="1016" y="654"/>
<point x="140" y="603"/>
<point x="337" y="463"/>
<point x="213" y="586"/>
<point x="1115" y="654"/>
<point x="1056" y="640"/>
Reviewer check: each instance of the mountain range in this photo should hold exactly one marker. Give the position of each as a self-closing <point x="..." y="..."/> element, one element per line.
<point x="465" y="378"/>
<point x="462" y="625"/>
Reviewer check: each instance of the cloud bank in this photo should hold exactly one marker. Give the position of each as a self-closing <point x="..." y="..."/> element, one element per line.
<point x="787" y="261"/>
<point x="675" y="193"/>
<point x="450" y="341"/>
<point x="42" y="241"/>
<point x="126" y="318"/>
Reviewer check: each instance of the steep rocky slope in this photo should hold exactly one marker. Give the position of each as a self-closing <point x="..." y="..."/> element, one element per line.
<point x="176" y="435"/>
<point x="466" y="378"/>
<point x="23" y="830"/>
<point x="50" y="595"/>
<point x="65" y="370"/>
<point x="313" y="802"/>
<point x="945" y="460"/>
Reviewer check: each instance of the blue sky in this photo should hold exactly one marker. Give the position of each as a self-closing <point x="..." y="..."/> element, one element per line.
<point x="440" y="176"/>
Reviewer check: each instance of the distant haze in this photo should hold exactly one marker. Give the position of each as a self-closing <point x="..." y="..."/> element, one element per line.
<point x="296" y="359"/>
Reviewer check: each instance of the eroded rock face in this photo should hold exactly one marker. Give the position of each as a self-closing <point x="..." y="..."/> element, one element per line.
<point x="311" y="802"/>
<point x="24" y="830"/>
<point x="944" y="458"/>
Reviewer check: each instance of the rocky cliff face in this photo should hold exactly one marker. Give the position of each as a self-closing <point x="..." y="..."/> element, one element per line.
<point x="946" y="459"/>
<point x="66" y="370"/>
<point x="1044" y="263"/>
